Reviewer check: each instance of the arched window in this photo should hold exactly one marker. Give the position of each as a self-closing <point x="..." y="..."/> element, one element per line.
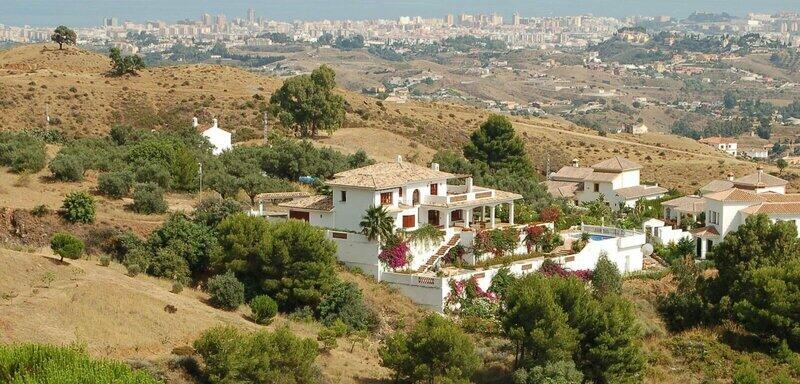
<point x="415" y="197"/>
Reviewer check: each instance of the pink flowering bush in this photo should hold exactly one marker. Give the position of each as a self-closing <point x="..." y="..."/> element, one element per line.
<point x="550" y="268"/>
<point x="395" y="256"/>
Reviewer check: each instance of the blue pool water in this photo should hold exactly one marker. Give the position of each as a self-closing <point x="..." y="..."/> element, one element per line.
<point x="599" y="237"/>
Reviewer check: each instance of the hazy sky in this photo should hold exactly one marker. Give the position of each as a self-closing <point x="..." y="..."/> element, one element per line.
<point x="91" y="12"/>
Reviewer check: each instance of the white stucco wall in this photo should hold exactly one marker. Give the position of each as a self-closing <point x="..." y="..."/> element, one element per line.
<point x="349" y="213"/>
<point x="220" y="139"/>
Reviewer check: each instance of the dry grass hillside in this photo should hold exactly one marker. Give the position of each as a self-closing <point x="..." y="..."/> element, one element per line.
<point x="46" y="301"/>
<point x="73" y="86"/>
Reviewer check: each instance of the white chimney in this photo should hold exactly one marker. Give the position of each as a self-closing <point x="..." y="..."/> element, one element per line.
<point x="468" y="184"/>
<point x="435" y="166"/>
<point x="194" y="122"/>
<point x="730" y="176"/>
<point x="575" y="162"/>
<point x="760" y="173"/>
<point x="399" y="159"/>
<point x="214" y="123"/>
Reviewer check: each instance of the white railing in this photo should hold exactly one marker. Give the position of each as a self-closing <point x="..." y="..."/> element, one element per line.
<point x="475" y="194"/>
<point x="608" y="231"/>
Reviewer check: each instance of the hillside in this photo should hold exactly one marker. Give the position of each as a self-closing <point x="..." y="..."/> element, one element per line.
<point x="117" y="316"/>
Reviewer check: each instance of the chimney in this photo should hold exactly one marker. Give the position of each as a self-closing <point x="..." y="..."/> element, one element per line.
<point x="730" y="176"/>
<point x="435" y="166"/>
<point x="214" y="123"/>
<point x="399" y="159"/>
<point x="194" y="122"/>
<point x="468" y="184"/>
<point x="575" y="162"/>
<point x="760" y="173"/>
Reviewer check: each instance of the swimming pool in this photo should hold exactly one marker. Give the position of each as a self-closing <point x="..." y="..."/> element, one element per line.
<point x="600" y="237"/>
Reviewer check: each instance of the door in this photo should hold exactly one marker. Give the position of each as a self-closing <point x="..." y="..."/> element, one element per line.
<point x="298" y="215"/>
<point x="455" y="215"/>
<point x="699" y="247"/>
<point x="433" y="218"/>
<point x="415" y="197"/>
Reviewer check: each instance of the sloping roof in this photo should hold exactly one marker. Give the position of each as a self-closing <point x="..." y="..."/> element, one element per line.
<point x="561" y="188"/>
<point x="571" y="173"/>
<point x="760" y="179"/>
<point x="313" y="203"/>
<point x="281" y="195"/>
<point x="602" y="176"/>
<point x="716" y="186"/>
<point x="616" y="164"/>
<point x="774" y="208"/>
<point x="715" y="140"/>
<point x="638" y="191"/>
<point x="387" y="175"/>
<point x="705" y="231"/>
<point x="687" y="204"/>
<point x="733" y="194"/>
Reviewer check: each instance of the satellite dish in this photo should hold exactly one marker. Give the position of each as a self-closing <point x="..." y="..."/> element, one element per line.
<point x="647" y="249"/>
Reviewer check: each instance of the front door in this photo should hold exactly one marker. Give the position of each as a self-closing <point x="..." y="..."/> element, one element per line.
<point x="699" y="247"/>
<point x="455" y="215"/>
<point x="297" y="215"/>
<point x="433" y="218"/>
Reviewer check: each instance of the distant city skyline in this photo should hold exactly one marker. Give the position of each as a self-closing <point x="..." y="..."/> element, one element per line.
<point x="87" y="13"/>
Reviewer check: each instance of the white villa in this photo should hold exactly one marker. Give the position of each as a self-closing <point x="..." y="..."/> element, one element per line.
<point x="727" y="204"/>
<point x="219" y="138"/>
<point x="617" y="180"/>
<point x="416" y="196"/>
<point x="724" y="144"/>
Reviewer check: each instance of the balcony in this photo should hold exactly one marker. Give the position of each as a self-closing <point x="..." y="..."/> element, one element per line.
<point x="459" y="194"/>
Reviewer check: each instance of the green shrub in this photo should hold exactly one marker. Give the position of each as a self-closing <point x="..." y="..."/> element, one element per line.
<point x="40" y="210"/>
<point x="345" y="303"/>
<point x="263" y="309"/>
<point x="115" y="185"/>
<point x="560" y="372"/>
<point x="212" y="210"/>
<point x="149" y="199"/>
<point x="67" y="168"/>
<point x="136" y="260"/>
<point x="606" y="278"/>
<point x="78" y="207"/>
<point x="22" y="152"/>
<point x="436" y="348"/>
<point x="66" y="245"/>
<point x="154" y="173"/>
<point x="105" y="260"/>
<point x="278" y="357"/>
<point x="329" y="335"/>
<point x="226" y="291"/>
<point x="31" y="363"/>
<point x="177" y="287"/>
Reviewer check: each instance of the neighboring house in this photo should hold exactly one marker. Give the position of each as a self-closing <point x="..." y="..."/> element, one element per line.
<point x="636" y="129"/>
<point x="727" y="203"/>
<point x="219" y="138"/>
<point x="724" y="144"/>
<point x="616" y="180"/>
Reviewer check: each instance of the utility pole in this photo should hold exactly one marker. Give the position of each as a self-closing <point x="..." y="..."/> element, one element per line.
<point x="200" y="171"/>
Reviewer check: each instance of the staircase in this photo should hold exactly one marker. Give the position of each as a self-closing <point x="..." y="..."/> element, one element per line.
<point x="440" y="253"/>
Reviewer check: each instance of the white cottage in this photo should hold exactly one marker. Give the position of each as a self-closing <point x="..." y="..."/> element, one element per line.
<point x="219" y="138"/>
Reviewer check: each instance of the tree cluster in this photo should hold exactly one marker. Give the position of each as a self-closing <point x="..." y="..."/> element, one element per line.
<point x="307" y="104"/>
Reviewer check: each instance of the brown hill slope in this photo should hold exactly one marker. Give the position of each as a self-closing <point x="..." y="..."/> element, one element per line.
<point x="73" y="87"/>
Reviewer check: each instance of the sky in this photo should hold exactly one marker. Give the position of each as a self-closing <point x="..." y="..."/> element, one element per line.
<point x="83" y="13"/>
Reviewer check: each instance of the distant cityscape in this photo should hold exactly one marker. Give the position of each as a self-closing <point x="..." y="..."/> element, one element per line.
<point x="517" y="31"/>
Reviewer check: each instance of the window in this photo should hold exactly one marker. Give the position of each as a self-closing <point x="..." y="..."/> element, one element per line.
<point x="597" y="187"/>
<point x="344" y="196"/>
<point x="434" y="189"/>
<point x="409" y="221"/>
<point x="415" y="197"/>
<point x="713" y="217"/>
<point x="400" y="191"/>
<point x="386" y="198"/>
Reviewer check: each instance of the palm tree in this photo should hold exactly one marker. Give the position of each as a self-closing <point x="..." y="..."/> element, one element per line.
<point x="377" y="224"/>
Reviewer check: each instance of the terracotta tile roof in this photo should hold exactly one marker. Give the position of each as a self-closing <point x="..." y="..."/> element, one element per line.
<point x="687" y="204"/>
<point x="616" y="164"/>
<point x="792" y="208"/>
<point x="733" y="194"/>
<point x="602" y="176"/>
<point x="705" y="231"/>
<point x="640" y="191"/>
<point x="387" y="175"/>
<point x="561" y="188"/>
<point x="716" y="186"/>
<point x="760" y="179"/>
<point x="281" y="195"/>
<point x="772" y="197"/>
<point x="570" y="173"/>
<point x="313" y="203"/>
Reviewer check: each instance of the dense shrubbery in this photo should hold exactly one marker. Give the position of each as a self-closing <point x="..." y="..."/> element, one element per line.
<point x="194" y="242"/>
<point x="66" y="168"/>
<point x="31" y="363"/>
<point x="66" y="245"/>
<point x="290" y="261"/>
<point x="345" y="302"/>
<point x="115" y="185"/>
<point x="278" y="357"/>
<point x="22" y="152"/>
<point x="225" y="291"/>
<point x="263" y="309"/>
<point x="78" y="207"/>
<point x="436" y="350"/>
<point x="149" y="199"/>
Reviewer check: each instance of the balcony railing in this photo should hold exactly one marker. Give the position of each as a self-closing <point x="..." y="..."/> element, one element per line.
<point x="457" y="194"/>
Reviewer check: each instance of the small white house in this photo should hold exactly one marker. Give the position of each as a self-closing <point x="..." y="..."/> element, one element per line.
<point x="219" y="138"/>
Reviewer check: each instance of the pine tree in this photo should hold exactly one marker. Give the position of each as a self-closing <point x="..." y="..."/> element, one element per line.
<point x="606" y="277"/>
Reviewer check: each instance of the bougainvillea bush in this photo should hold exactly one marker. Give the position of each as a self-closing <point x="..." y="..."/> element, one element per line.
<point x="475" y="307"/>
<point x="395" y="255"/>
<point x="551" y="268"/>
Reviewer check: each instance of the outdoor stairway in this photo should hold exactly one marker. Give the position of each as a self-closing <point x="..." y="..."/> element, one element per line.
<point x="440" y="253"/>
